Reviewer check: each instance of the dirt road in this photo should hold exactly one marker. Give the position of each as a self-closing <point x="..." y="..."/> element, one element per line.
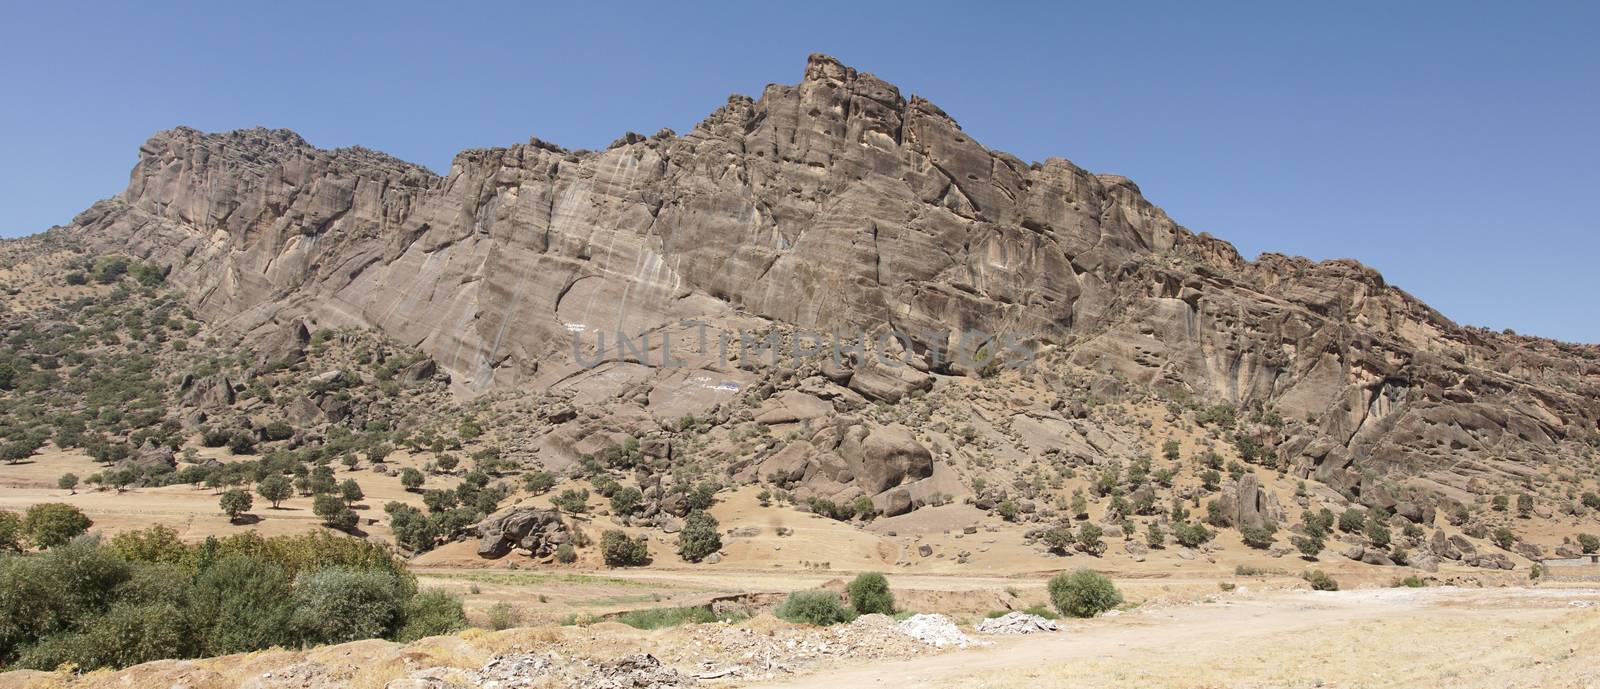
<point x="1365" y="638"/>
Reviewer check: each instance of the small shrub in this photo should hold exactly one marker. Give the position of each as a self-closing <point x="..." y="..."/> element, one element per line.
<point x="1504" y="538"/>
<point x="1083" y="593"/>
<point x="1320" y="581"/>
<point x="432" y="613"/>
<point x="1258" y="537"/>
<point x="869" y="593"/>
<point x="821" y="608"/>
<point x="1191" y="535"/>
<point x="504" y="615"/>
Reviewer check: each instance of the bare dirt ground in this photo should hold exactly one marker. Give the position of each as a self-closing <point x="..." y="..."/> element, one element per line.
<point x="1171" y="635"/>
<point x="1366" y="638"/>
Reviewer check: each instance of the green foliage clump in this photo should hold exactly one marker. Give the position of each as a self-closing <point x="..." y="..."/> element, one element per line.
<point x="431" y="613"/>
<point x="146" y="596"/>
<point x="1504" y="538"/>
<point x="1587" y="542"/>
<point x="1352" y="520"/>
<point x="1258" y="537"/>
<point x="1083" y="593"/>
<point x="235" y="503"/>
<point x="699" y="538"/>
<point x="337" y="604"/>
<point x="1320" y="581"/>
<point x="572" y="501"/>
<point x="1191" y="535"/>
<point x="869" y="593"/>
<point x="661" y="618"/>
<point x="619" y="550"/>
<point x="51" y="524"/>
<point x="821" y="608"/>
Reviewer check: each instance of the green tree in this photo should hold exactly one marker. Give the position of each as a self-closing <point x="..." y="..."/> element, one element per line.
<point x="52" y="524"/>
<point x="234" y="503"/>
<point x="1191" y="535"/>
<point x="1080" y="506"/>
<point x="1154" y="536"/>
<point x="625" y="500"/>
<point x="275" y="489"/>
<point x="1320" y="581"/>
<point x="1353" y="520"/>
<point x="1377" y="533"/>
<point x="68" y="482"/>
<point x="1309" y="545"/>
<point x="698" y="539"/>
<point x="1524" y="505"/>
<point x="1089" y="539"/>
<point x="1589" y="543"/>
<point x="869" y="593"/>
<point x="351" y="492"/>
<point x="1083" y="593"/>
<point x="572" y="501"/>
<point x="1504" y="538"/>
<point x="411" y="479"/>
<point x="539" y="481"/>
<point x="619" y="550"/>
<point x="1258" y="537"/>
<point x="334" y="513"/>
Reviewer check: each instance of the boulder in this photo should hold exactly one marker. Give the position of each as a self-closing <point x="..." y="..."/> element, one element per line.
<point x="1253" y="505"/>
<point x="889" y="382"/>
<point x="538" y="531"/>
<point x="886" y="457"/>
<point x="419" y="372"/>
<point x="791" y="406"/>
<point x="893" y="503"/>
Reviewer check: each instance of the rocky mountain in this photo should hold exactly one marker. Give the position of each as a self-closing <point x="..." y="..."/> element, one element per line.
<point x="840" y="205"/>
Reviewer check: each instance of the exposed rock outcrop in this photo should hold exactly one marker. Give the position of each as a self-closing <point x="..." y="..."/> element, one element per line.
<point x="537" y="531"/>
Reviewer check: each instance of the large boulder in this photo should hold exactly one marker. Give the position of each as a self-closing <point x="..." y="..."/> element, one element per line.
<point x="538" y="531"/>
<point x="791" y="406"/>
<point x="890" y="382"/>
<point x="150" y="459"/>
<point x="421" y="371"/>
<point x="885" y="458"/>
<point x="1253" y="505"/>
<point x="210" y="392"/>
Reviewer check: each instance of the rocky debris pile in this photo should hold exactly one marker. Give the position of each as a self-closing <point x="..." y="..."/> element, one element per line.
<point x="538" y="531"/>
<point x="516" y="671"/>
<point x="937" y="631"/>
<point x="765" y="648"/>
<point x="1017" y="622"/>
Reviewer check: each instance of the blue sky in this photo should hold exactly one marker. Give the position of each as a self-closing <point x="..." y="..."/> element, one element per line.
<point x="1451" y="145"/>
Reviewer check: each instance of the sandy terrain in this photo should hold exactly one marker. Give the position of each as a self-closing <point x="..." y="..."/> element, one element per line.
<point x="1365" y="638"/>
<point x="1436" y="637"/>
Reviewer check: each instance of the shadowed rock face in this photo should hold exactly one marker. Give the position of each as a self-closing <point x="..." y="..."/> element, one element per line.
<point x="835" y="204"/>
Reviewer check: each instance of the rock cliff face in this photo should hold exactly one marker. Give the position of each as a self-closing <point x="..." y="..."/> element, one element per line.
<point x="838" y="204"/>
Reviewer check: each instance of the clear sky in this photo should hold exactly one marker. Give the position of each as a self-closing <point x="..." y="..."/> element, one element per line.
<point x="1451" y="145"/>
